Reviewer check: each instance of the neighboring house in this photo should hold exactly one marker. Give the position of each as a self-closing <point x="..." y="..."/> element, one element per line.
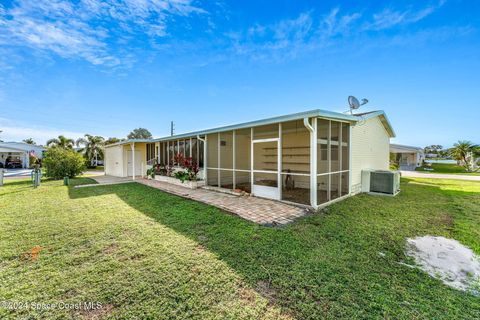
<point x="310" y="158"/>
<point x="407" y="157"/>
<point x="16" y="154"/>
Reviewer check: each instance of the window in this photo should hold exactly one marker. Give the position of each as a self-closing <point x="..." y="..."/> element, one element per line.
<point x="150" y="149"/>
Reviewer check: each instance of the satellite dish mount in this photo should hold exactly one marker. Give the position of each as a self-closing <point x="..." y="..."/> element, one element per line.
<point x="355" y="104"/>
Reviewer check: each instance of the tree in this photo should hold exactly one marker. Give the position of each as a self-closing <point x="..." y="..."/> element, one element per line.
<point x="62" y="162"/>
<point x="61" y="142"/>
<point x="29" y="141"/>
<point x="465" y="152"/>
<point x="112" y="140"/>
<point x="434" y="148"/>
<point x="140" y="133"/>
<point x="93" y="148"/>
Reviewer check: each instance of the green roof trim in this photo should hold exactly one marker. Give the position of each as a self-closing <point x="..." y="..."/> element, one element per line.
<point x="290" y="117"/>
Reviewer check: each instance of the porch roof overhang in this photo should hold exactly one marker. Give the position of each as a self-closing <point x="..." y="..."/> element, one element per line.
<point x="400" y="148"/>
<point x="316" y="113"/>
<point x="9" y="149"/>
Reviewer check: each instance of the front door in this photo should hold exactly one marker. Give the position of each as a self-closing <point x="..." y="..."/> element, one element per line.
<point x="265" y="168"/>
<point x="138" y="163"/>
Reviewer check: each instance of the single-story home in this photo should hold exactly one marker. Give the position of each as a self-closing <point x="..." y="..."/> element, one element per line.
<point x="407" y="157"/>
<point x="17" y="154"/>
<point x="311" y="158"/>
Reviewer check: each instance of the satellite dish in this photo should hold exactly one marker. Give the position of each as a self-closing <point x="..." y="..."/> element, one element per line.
<point x="355" y="104"/>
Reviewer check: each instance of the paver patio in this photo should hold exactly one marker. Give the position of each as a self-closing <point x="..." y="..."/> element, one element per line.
<point x="258" y="210"/>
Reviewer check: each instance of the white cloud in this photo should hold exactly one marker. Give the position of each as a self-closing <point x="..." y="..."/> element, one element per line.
<point x="389" y="18"/>
<point x="87" y="29"/>
<point x="289" y="37"/>
<point x="309" y="32"/>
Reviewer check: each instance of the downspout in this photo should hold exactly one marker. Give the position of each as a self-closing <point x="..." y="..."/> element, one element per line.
<point x="313" y="161"/>
<point x="204" y="157"/>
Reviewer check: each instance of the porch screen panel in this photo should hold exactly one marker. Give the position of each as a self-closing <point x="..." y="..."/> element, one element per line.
<point x="150" y="148"/>
<point x="181" y="147"/>
<point x="194" y="154"/>
<point x="226" y="179"/>
<point x="295" y="148"/>
<point x="345" y="182"/>
<point x="295" y="162"/>
<point x="175" y="149"/>
<point x="171" y="151"/>
<point x="242" y="181"/>
<point x="323" y="129"/>
<point x="226" y="150"/>
<point x="334" y="186"/>
<point x="212" y="150"/>
<point x="212" y="177"/>
<point x="334" y="146"/>
<point x="333" y="160"/>
<point x="265" y="132"/>
<point x="345" y="146"/>
<point x="242" y="149"/>
<point x="200" y="154"/>
<point x="187" y="148"/>
<point x="265" y="156"/>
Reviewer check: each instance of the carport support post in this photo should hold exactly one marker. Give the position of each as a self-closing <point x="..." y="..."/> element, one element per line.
<point x="132" y="145"/>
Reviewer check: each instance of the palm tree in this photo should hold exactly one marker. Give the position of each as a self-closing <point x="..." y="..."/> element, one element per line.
<point x="61" y="142"/>
<point x="93" y="148"/>
<point x="464" y="151"/>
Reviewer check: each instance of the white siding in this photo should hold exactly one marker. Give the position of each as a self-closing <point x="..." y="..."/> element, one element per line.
<point x="370" y="149"/>
<point x="114" y="161"/>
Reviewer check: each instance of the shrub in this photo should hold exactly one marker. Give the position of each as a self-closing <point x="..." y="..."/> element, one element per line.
<point x="60" y="163"/>
<point x="188" y="168"/>
<point x="394" y="166"/>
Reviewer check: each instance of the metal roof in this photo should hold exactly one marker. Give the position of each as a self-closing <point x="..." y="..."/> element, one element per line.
<point x="21" y="146"/>
<point x="405" y="148"/>
<point x="290" y="117"/>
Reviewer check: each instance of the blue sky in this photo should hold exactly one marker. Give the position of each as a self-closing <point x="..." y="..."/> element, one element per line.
<point x="106" y="67"/>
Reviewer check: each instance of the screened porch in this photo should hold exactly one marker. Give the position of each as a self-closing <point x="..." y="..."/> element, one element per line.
<point x="304" y="161"/>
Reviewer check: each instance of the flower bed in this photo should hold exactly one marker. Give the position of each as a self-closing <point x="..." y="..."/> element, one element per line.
<point x="187" y="184"/>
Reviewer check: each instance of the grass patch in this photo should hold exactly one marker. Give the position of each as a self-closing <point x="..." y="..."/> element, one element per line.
<point x="143" y="253"/>
<point x="449" y="168"/>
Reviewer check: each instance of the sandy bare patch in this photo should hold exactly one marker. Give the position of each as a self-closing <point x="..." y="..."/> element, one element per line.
<point x="448" y="260"/>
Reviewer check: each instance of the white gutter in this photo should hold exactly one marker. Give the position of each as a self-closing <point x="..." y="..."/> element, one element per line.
<point x="313" y="160"/>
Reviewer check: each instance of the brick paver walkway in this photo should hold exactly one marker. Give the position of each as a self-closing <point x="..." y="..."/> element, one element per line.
<point x="258" y="210"/>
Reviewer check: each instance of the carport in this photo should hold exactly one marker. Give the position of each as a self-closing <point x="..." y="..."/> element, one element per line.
<point x="17" y="154"/>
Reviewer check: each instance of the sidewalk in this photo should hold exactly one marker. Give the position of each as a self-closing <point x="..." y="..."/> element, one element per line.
<point x="416" y="174"/>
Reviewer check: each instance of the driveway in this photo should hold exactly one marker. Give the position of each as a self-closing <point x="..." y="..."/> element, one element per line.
<point x="416" y="174"/>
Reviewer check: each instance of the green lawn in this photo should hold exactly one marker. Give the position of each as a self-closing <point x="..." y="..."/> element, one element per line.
<point x="145" y="254"/>
<point x="448" y="168"/>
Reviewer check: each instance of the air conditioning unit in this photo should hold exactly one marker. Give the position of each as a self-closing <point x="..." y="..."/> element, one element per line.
<point x="381" y="182"/>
